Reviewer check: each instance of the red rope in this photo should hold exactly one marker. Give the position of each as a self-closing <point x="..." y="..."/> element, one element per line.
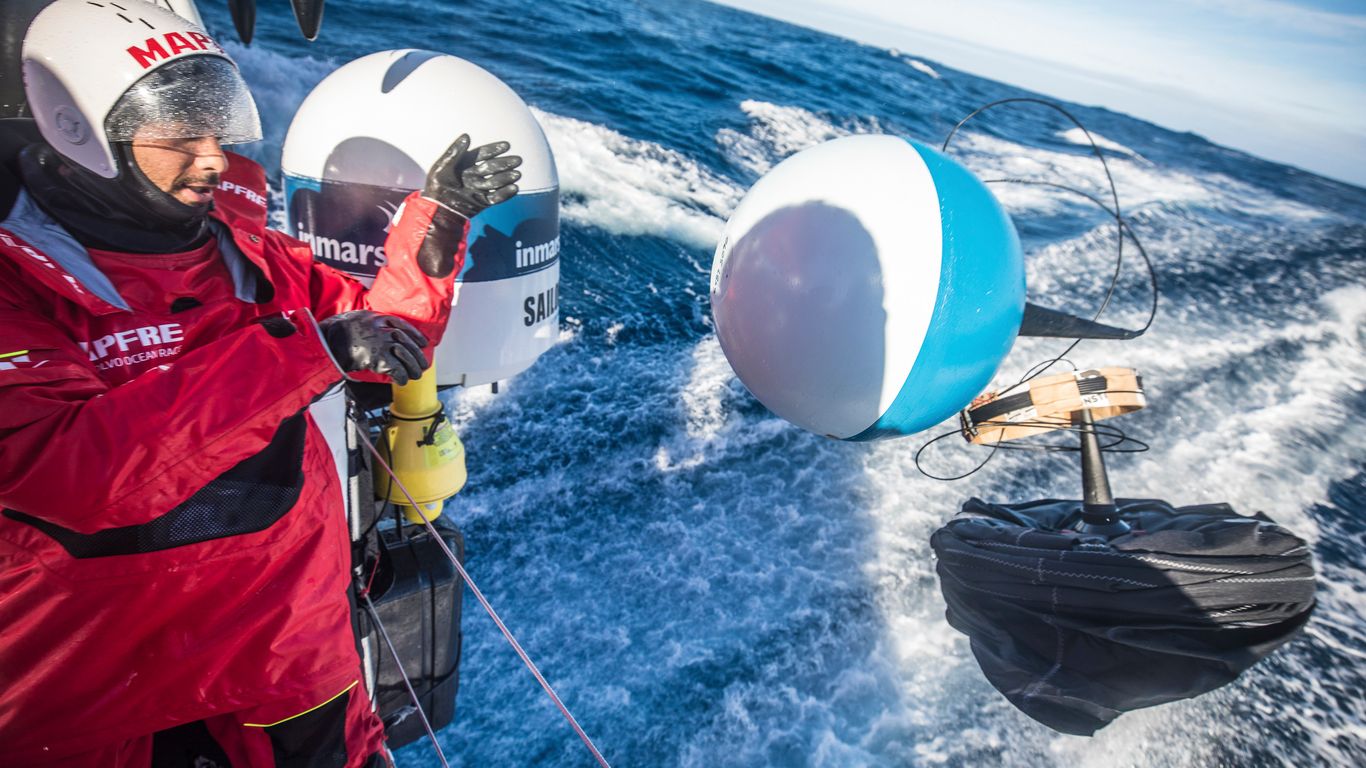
<point x="373" y="570"/>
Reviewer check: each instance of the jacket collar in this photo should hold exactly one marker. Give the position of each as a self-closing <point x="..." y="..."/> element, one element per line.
<point x="46" y="251"/>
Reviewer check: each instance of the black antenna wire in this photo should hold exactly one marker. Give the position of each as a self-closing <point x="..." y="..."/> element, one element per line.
<point x="1116" y="436"/>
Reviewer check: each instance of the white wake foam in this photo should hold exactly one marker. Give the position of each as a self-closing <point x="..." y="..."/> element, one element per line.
<point x="1078" y="136"/>
<point x="922" y="67"/>
<point x="777" y="131"/>
<point x="632" y="187"/>
<point x="1138" y="181"/>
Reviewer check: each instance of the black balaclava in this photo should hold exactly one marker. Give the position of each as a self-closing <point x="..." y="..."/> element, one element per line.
<point x="126" y="213"/>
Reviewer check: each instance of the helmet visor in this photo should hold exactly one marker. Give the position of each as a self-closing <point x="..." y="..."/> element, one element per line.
<point x="188" y="98"/>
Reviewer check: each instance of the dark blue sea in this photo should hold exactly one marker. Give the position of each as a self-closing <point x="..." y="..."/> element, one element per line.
<point x="707" y="585"/>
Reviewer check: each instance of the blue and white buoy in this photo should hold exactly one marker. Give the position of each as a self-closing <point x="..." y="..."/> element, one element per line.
<point x="868" y="287"/>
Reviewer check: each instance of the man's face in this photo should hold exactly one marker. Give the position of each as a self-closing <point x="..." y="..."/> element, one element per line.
<point x="186" y="169"/>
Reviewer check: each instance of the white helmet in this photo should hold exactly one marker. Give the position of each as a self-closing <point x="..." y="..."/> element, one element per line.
<point x="103" y="71"/>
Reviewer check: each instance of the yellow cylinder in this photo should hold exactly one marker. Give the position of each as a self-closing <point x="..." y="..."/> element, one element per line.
<point x="419" y="443"/>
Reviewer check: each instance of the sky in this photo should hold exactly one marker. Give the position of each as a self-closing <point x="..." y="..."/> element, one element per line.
<point x="1281" y="79"/>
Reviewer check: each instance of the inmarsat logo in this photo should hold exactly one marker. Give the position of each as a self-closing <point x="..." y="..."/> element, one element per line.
<point x="345" y="224"/>
<point x="513" y="242"/>
<point x="344" y="251"/>
<point x="536" y="255"/>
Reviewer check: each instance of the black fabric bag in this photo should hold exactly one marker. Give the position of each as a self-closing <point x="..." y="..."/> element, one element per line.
<point x="1075" y="629"/>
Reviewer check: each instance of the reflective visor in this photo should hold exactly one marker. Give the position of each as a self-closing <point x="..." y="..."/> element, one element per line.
<point x="187" y="98"/>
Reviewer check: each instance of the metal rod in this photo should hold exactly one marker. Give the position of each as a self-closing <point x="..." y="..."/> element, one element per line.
<point x="1095" y="482"/>
<point x="516" y="646"/>
<point x="417" y="701"/>
<point x="1098" y="511"/>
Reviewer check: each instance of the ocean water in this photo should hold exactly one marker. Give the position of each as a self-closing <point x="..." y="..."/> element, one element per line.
<point x="707" y="585"/>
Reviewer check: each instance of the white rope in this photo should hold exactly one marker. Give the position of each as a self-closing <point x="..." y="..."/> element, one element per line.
<point x="441" y="542"/>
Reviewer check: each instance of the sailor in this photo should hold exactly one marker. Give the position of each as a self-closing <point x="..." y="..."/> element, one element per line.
<point x="173" y="549"/>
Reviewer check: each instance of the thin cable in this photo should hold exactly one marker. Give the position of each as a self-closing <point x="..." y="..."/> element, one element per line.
<point x="417" y="700"/>
<point x="1115" y="435"/>
<point x="1114" y="196"/>
<point x="972" y="471"/>
<point x="1125" y="228"/>
<point x="1095" y="148"/>
<point x="983" y="463"/>
<point x="1038" y="368"/>
<point x="1122" y="229"/>
<point x="516" y="646"/>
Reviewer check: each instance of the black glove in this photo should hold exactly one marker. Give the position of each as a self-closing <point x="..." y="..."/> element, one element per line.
<point x="463" y="182"/>
<point x="469" y="180"/>
<point x="368" y="341"/>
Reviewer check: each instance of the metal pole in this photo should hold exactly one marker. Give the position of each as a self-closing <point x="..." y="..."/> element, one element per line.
<point x="1099" y="515"/>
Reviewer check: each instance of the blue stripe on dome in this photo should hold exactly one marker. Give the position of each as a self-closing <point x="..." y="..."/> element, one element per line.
<point x="977" y="311"/>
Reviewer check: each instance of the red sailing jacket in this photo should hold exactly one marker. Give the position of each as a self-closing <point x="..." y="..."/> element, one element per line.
<point x="173" y="543"/>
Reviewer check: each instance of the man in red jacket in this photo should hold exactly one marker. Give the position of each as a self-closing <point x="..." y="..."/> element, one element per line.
<point x="173" y="544"/>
